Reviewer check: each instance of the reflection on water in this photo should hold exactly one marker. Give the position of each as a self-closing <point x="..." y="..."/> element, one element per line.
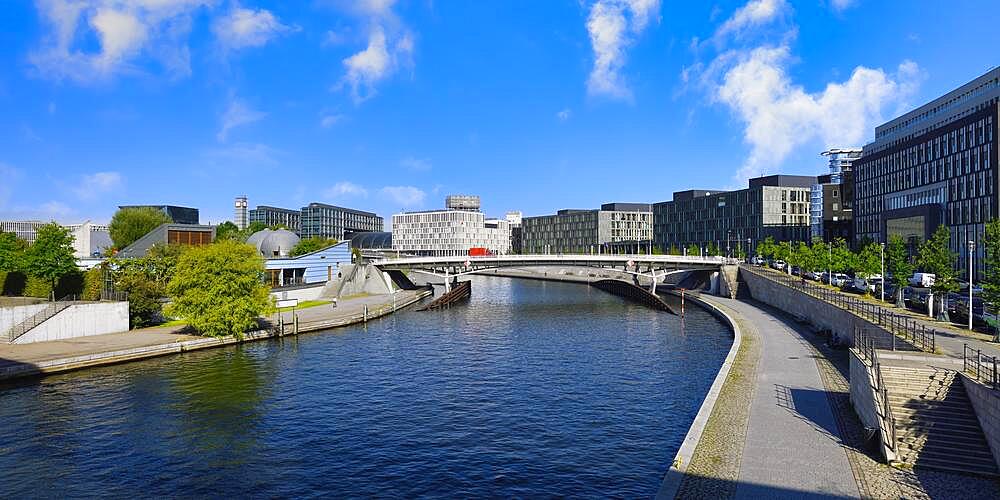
<point x="532" y="389"/>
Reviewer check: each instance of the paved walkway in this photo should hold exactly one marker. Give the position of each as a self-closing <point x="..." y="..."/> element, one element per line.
<point x="60" y="355"/>
<point x="793" y="446"/>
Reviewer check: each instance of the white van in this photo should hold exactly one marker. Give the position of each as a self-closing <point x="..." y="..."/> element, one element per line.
<point x="923" y="280"/>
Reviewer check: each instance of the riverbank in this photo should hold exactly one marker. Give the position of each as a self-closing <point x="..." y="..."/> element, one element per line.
<point x="44" y="358"/>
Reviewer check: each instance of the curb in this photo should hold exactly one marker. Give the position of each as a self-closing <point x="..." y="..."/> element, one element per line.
<point x="675" y="474"/>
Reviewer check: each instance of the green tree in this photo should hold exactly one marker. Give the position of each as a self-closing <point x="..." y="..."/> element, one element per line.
<point x="821" y="256"/>
<point x="11" y="252"/>
<point x="935" y="256"/>
<point x="842" y="257"/>
<point x="254" y="227"/>
<point x="801" y="255"/>
<point x="219" y="289"/>
<point x="712" y="250"/>
<point x="145" y="281"/>
<point x="991" y="278"/>
<point x="868" y="261"/>
<point x="130" y="224"/>
<point x="309" y="245"/>
<point x="51" y="255"/>
<point x="898" y="264"/>
<point x="228" y="231"/>
<point x="693" y="250"/>
<point x="767" y="248"/>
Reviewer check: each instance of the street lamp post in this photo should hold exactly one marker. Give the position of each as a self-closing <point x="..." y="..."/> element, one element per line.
<point x="749" y="249"/>
<point x="882" y="253"/>
<point x="972" y="248"/>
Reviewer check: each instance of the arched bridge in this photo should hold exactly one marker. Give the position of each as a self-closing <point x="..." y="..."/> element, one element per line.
<point x="652" y="266"/>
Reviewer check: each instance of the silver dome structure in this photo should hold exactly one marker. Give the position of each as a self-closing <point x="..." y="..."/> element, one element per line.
<point x="256" y="238"/>
<point x="271" y="244"/>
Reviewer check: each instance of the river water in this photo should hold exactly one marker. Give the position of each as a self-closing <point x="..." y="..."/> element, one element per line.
<point x="532" y="389"/>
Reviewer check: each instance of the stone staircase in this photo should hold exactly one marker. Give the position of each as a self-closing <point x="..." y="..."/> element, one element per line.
<point x="936" y="426"/>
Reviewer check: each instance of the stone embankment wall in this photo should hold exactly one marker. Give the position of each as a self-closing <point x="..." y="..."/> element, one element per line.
<point x="11" y="316"/>
<point x="80" y="320"/>
<point x="821" y="314"/>
<point x="303" y="293"/>
<point x="986" y="402"/>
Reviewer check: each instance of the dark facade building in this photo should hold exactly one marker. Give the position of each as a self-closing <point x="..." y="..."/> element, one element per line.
<point x="934" y="165"/>
<point x="169" y="234"/>
<point x="775" y="206"/>
<point x="588" y="231"/>
<point x="328" y="221"/>
<point x="180" y="215"/>
<point x="274" y="216"/>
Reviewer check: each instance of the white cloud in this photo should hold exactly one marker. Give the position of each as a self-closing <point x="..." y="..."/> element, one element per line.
<point x="841" y="5"/>
<point x="754" y="14"/>
<point x="779" y="115"/>
<point x="93" y="186"/>
<point x="243" y="28"/>
<point x="327" y="121"/>
<point x="55" y="209"/>
<point x="415" y="164"/>
<point x="243" y="154"/>
<point x="124" y="32"/>
<point x="237" y="113"/>
<point x="612" y="26"/>
<point x="403" y="196"/>
<point x="345" y="189"/>
<point x="564" y="115"/>
<point x="390" y="47"/>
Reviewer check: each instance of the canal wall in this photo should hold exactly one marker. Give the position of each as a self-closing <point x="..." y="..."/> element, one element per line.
<point x="819" y="313"/>
<point x="866" y="400"/>
<point x="14" y="315"/>
<point x="301" y="292"/>
<point x="674" y="476"/>
<point x="80" y="320"/>
<point x="986" y="403"/>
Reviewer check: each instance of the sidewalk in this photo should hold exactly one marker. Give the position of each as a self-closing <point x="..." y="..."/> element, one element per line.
<point x="19" y="360"/>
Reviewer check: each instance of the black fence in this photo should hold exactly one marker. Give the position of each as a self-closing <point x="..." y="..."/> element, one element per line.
<point x="980" y="366"/>
<point x="910" y="330"/>
<point x="866" y="347"/>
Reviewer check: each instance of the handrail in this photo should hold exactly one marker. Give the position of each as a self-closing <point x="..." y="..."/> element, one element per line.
<point x="982" y="366"/>
<point x="865" y="345"/>
<point x="898" y="325"/>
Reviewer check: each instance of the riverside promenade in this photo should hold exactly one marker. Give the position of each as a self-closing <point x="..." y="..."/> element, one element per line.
<point x="22" y="360"/>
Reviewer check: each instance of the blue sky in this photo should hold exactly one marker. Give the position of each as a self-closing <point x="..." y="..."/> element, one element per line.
<point x="389" y="105"/>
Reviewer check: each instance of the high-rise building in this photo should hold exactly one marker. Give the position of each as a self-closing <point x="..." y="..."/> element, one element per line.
<point x="179" y="215"/>
<point x="514" y="219"/>
<point x="934" y="165"/>
<point x="831" y="210"/>
<point x="240" y="212"/>
<point x="23" y="229"/>
<point x="775" y="206"/>
<point x="88" y="238"/>
<point x="451" y="231"/>
<point x="274" y="216"/>
<point x="331" y="222"/>
<point x="588" y="231"/>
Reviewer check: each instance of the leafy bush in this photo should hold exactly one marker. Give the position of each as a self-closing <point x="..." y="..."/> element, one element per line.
<point x="219" y="288"/>
<point x="93" y="283"/>
<point x="37" y="287"/>
<point x="13" y="283"/>
<point x="130" y="224"/>
<point x="310" y="245"/>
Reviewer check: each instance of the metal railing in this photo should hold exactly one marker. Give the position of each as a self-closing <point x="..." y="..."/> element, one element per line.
<point x="981" y="366"/>
<point x="866" y="347"/>
<point x="899" y="325"/>
<point x="51" y="309"/>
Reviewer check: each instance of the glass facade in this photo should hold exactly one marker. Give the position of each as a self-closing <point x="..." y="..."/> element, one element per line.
<point x="331" y="222"/>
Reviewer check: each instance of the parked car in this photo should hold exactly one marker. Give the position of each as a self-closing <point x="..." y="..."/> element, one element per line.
<point x="796" y="271"/>
<point x="779" y="265"/>
<point x="759" y="261"/>
<point x="813" y="275"/>
<point x="839" y="279"/>
<point x="873" y="283"/>
<point x="923" y="280"/>
<point x="917" y="299"/>
<point x="890" y="291"/>
<point x="960" y="312"/>
<point x="856" y="285"/>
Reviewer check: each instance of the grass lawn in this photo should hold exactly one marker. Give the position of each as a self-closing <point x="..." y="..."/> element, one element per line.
<point x="306" y="304"/>
<point x="174" y="322"/>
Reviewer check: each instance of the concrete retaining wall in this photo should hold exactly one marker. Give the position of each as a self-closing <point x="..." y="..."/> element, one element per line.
<point x="986" y="402"/>
<point x="311" y="292"/>
<point x="821" y="314"/>
<point x="80" y="320"/>
<point x="11" y="316"/>
<point x="866" y="401"/>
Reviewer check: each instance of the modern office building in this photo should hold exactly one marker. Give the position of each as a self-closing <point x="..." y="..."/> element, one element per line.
<point x="274" y="216"/>
<point x="451" y="231"/>
<point x="515" y="218"/>
<point x="934" y="165"/>
<point x="831" y="210"/>
<point x="240" y="212"/>
<point x="775" y="206"/>
<point x="587" y="231"/>
<point x="179" y="215"/>
<point x="23" y="229"/>
<point x="338" y="223"/>
<point x="88" y="238"/>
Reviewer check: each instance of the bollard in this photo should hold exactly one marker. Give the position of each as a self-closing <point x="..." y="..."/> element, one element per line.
<point x="366" y="313"/>
<point x="281" y="324"/>
<point x="295" y="324"/>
